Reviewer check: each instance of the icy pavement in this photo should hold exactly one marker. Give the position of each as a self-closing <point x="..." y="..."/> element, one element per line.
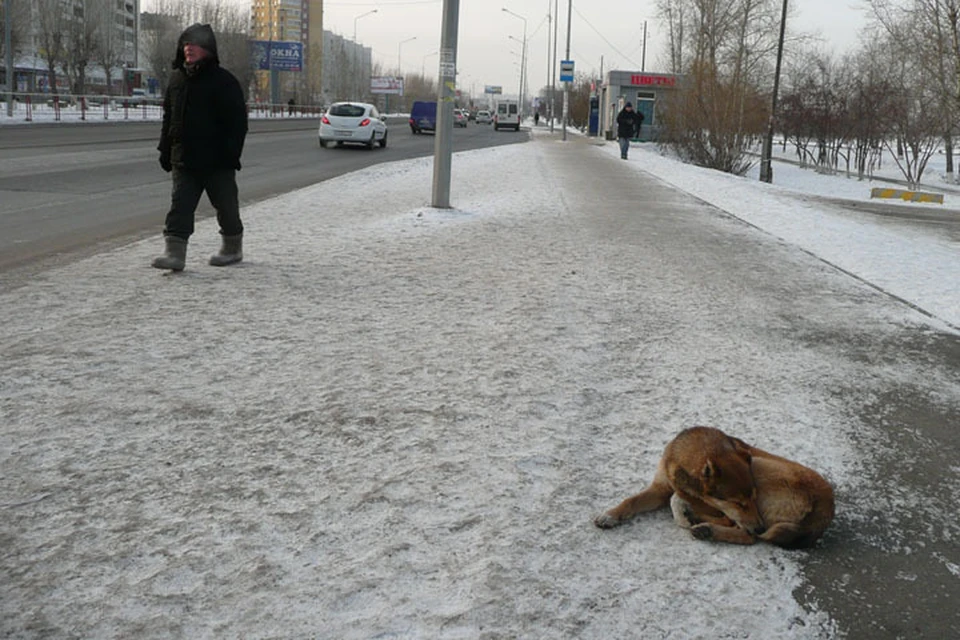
<point x="396" y="422"/>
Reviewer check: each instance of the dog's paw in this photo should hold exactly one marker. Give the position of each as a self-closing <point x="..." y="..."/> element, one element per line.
<point x="606" y="521"/>
<point x="683" y="513"/>
<point x="702" y="531"/>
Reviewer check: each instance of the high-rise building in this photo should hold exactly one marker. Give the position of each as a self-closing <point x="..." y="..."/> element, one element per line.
<point x="290" y="21"/>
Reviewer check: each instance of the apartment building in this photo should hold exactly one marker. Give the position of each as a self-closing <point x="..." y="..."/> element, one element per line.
<point x="74" y="30"/>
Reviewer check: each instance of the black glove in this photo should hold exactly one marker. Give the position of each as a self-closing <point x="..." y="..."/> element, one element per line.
<point x="165" y="163"/>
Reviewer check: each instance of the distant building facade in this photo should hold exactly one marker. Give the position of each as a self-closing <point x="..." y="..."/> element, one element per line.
<point x="113" y="21"/>
<point x="347" y="68"/>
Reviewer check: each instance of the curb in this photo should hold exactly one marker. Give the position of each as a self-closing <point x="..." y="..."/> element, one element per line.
<point x="911" y="196"/>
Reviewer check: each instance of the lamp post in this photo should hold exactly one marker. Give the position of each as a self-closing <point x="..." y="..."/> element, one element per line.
<point x="553" y="64"/>
<point x="423" y="63"/>
<point x="400" y="63"/>
<point x="355" y="57"/>
<point x="566" y="85"/>
<point x="766" y="158"/>
<point x="362" y="15"/>
<point x="550" y="19"/>
<point x="523" y="71"/>
<point x="523" y="55"/>
<point x="8" y="51"/>
<point x="399" y="50"/>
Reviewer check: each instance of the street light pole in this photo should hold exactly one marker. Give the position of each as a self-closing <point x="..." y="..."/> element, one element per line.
<point x="550" y="18"/>
<point x="400" y="68"/>
<point x="399" y="59"/>
<point x="355" y="57"/>
<point x="423" y="64"/>
<point x="362" y="15"/>
<point x="566" y="85"/>
<point x="553" y="64"/>
<point x="8" y="42"/>
<point x="523" y="71"/>
<point x="766" y="157"/>
<point x="523" y="55"/>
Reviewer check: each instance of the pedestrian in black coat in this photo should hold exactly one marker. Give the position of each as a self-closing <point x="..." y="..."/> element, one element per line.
<point x="628" y="127"/>
<point x="201" y="140"/>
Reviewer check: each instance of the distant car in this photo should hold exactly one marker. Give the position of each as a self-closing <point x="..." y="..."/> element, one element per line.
<point x="460" y="118"/>
<point x="423" y="116"/>
<point x="353" y="122"/>
<point x="484" y="117"/>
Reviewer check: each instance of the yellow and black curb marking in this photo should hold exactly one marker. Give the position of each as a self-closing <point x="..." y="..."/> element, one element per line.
<point x="912" y="196"/>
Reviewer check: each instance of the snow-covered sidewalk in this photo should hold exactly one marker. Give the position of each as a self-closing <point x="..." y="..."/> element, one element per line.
<point x="395" y="421"/>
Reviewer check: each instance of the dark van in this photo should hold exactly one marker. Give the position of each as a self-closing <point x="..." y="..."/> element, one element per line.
<point x="423" y="117"/>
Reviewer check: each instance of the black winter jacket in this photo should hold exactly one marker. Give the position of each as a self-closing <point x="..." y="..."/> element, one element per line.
<point x="628" y="123"/>
<point x="204" y="114"/>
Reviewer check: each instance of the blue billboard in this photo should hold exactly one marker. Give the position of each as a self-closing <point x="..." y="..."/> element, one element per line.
<point x="276" y="56"/>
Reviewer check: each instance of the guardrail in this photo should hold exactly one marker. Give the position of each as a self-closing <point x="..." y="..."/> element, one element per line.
<point x="41" y="107"/>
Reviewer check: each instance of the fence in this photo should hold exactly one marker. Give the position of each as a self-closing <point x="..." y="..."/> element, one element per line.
<point x="44" y="107"/>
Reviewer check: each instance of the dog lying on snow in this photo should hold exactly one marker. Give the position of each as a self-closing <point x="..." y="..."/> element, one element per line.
<point x="723" y="489"/>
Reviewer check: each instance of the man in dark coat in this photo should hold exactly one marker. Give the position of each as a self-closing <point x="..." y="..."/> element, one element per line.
<point x="628" y="126"/>
<point x="204" y="127"/>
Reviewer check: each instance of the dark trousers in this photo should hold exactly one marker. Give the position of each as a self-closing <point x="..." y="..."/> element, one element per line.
<point x="188" y="186"/>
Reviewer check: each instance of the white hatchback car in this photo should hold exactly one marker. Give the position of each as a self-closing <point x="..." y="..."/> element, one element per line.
<point x="353" y="122"/>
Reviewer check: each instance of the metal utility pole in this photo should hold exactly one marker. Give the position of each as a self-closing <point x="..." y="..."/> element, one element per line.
<point x="566" y="85"/>
<point x="523" y="57"/>
<point x="766" y="157"/>
<point x="643" y="57"/>
<point x="553" y="72"/>
<point x="8" y="47"/>
<point x="550" y="19"/>
<point x="443" y="145"/>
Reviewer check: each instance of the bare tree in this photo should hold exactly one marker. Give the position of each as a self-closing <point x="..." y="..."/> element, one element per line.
<point x="673" y="15"/>
<point x="932" y="41"/>
<point x="52" y="23"/>
<point x="19" y="23"/>
<point x="80" y="46"/>
<point x="720" y="109"/>
<point x="110" y="44"/>
<point x="229" y="22"/>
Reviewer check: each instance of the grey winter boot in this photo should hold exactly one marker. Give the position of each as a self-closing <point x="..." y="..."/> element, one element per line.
<point x="175" y="256"/>
<point x="231" y="251"/>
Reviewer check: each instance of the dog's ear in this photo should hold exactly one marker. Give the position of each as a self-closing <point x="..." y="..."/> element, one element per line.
<point x="742" y="448"/>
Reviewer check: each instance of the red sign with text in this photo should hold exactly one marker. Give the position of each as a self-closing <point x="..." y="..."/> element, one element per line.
<point x="643" y="80"/>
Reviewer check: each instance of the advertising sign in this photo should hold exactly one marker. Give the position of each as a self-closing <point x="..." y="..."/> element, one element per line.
<point x="387" y="84"/>
<point x="276" y="56"/>
<point x="495" y="89"/>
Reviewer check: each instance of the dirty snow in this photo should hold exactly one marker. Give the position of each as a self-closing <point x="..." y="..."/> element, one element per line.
<point x="397" y="422"/>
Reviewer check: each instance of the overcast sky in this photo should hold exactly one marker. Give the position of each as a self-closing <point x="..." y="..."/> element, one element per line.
<point x="607" y="29"/>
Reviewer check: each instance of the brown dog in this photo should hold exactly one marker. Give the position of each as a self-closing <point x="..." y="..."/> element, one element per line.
<point x="723" y="489"/>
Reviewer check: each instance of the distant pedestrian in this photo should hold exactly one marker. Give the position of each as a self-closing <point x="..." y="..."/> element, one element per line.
<point x="290" y="105"/>
<point x="536" y="118"/>
<point x="628" y="127"/>
<point x="201" y="139"/>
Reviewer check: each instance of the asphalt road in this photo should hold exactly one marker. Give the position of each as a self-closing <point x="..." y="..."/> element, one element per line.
<point x="67" y="190"/>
